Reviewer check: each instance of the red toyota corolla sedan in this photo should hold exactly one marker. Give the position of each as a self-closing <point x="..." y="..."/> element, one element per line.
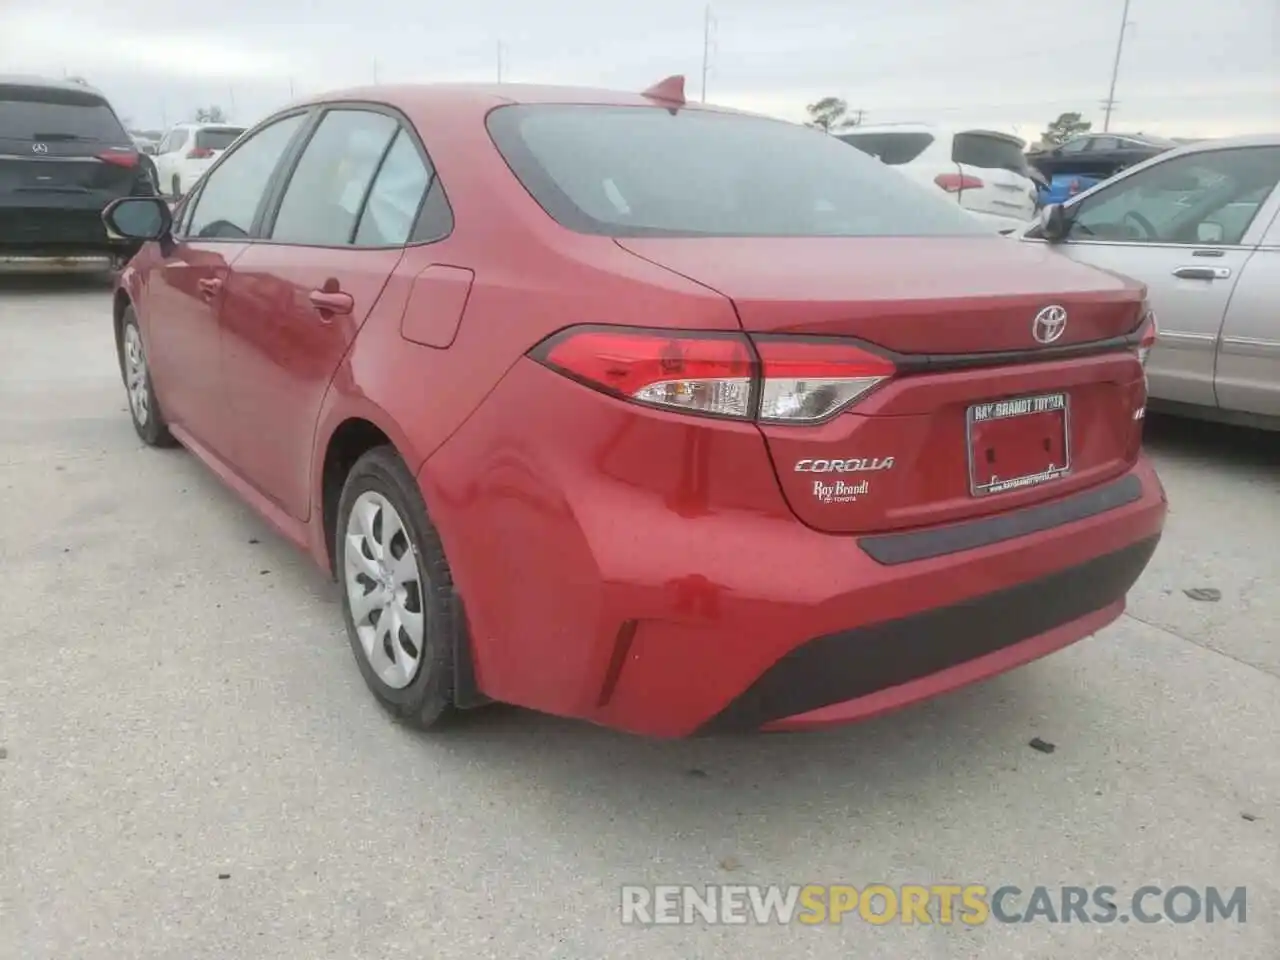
<point x="671" y="418"/>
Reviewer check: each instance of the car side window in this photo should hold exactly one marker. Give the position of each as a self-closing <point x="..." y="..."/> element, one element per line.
<point x="1207" y="198"/>
<point x="1075" y="146"/>
<point x="1099" y="144"/>
<point x="396" y="196"/>
<point x="232" y="193"/>
<point x="328" y="186"/>
<point x="179" y="137"/>
<point x="163" y="145"/>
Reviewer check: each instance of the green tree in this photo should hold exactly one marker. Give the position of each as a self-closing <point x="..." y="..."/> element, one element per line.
<point x="830" y="113"/>
<point x="211" y="114"/>
<point x="1067" y="125"/>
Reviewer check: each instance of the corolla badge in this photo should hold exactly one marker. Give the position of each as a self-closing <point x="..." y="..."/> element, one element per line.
<point x="1049" y="324"/>
<point x="854" y="465"/>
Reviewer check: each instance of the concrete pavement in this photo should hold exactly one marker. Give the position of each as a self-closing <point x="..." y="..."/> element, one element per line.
<point x="191" y="767"/>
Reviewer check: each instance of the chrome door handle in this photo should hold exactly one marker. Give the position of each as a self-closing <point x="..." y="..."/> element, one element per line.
<point x="1202" y="273"/>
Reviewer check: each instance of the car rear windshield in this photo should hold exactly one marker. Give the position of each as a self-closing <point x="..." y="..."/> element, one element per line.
<point x="649" y="171"/>
<point x="53" y="113"/>
<point x="989" y="152"/>
<point x="894" y="149"/>
<point x="217" y="138"/>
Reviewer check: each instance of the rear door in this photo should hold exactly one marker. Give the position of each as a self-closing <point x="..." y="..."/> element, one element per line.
<point x="994" y="174"/>
<point x="1179" y="226"/>
<point x="61" y="147"/>
<point x="297" y="298"/>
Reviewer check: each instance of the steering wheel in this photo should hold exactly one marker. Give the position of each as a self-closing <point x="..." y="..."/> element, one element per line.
<point x="1147" y="227"/>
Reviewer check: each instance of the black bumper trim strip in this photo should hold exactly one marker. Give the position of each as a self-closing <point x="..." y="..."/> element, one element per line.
<point x="853" y="663"/>
<point x="895" y="548"/>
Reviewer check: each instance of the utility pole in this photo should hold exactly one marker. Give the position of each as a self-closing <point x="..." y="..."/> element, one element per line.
<point x="1110" y="102"/>
<point x="707" y="22"/>
<point x="857" y="116"/>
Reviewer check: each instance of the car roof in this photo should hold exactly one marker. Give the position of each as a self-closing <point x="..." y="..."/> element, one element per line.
<point x="48" y="83"/>
<point x="483" y="97"/>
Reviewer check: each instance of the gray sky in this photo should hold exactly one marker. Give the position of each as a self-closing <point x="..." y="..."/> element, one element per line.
<point x="1190" y="68"/>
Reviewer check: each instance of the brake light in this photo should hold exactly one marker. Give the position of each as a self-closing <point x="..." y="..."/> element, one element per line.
<point x="121" y="158"/>
<point x="199" y="153"/>
<point x="777" y="379"/>
<point x="955" y="182"/>
<point x="1150" y="328"/>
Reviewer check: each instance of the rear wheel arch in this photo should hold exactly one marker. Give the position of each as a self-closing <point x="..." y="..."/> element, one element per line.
<point x="350" y="440"/>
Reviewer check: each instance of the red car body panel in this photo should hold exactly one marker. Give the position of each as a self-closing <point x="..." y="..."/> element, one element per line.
<point x="645" y="569"/>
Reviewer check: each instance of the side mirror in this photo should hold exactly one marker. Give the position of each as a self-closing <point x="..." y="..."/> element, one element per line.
<point x="1054" y="223"/>
<point x="138" y="218"/>
<point x="1209" y="231"/>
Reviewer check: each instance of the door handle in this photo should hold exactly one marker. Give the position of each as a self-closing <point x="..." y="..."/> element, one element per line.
<point x="209" y="287"/>
<point x="1202" y="273"/>
<point x="331" y="301"/>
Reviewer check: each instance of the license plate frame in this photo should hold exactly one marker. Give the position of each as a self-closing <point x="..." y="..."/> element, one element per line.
<point x="1013" y="408"/>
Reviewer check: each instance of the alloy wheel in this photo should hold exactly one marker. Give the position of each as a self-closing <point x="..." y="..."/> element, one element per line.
<point x="135" y="376"/>
<point x="384" y="589"/>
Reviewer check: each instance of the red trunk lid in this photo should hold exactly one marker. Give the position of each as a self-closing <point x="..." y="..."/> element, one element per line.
<point x="966" y="435"/>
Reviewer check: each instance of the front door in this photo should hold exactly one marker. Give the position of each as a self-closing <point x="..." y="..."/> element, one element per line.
<point x="1186" y="228"/>
<point x="296" y="300"/>
<point x="213" y="231"/>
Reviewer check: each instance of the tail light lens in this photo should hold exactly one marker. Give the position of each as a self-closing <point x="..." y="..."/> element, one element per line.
<point x="199" y="153"/>
<point x="955" y="182"/>
<point x="776" y="380"/>
<point x="119" y="158"/>
<point x="1150" y="328"/>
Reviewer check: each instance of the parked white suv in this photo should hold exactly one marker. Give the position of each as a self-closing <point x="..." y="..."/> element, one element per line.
<point x="987" y="172"/>
<point x="188" y="150"/>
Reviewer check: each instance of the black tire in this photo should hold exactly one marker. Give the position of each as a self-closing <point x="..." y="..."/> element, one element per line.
<point x="150" y="425"/>
<point x="427" y="701"/>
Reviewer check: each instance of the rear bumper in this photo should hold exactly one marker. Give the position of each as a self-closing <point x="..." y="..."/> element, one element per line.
<point x="855" y="674"/>
<point x="676" y="594"/>
<point x="57" y="231"/>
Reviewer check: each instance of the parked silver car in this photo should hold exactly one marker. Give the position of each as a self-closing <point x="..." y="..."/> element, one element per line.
<point x="1200" y="225"/>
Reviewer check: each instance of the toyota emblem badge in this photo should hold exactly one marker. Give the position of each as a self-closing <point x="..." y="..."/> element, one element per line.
<point x="1049" y="324"/>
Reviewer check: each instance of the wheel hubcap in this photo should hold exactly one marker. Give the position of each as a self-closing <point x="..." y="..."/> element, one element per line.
<point x="135" y="375"/>
<point x="384" y="589"/>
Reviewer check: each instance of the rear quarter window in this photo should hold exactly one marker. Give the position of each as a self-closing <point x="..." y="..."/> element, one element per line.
<point x="648" y="171"/>
<point x="52" y="113"/>
<point x="988" y="152"/>
<point x="894" y="149"/>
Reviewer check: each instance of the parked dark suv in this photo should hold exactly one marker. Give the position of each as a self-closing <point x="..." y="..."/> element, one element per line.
<point x="64" y="155"/>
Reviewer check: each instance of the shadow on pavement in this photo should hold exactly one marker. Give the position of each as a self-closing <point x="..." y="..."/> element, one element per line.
<point x="1203" y="441"/>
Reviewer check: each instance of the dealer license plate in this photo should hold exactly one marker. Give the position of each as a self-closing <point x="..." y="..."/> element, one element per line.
<point x="1017" y="443"/>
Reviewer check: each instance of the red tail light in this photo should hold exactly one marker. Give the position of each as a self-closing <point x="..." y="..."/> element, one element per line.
<point x="1073" y="187"/>
<point x="775" y="379"/>
<point x="199" y="153"/>
<point x="121" y="158"/>
<point x="955" y="182"/>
